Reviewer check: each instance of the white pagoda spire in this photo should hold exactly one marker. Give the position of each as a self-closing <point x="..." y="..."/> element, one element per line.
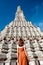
<point x="18" y="9"/>
<point x="19" y="13"/>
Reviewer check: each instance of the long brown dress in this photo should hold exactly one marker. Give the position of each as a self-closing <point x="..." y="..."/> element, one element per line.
<point x="22" y="58"/>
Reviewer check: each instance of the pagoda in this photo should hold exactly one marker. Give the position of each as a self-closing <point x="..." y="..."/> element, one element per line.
<point x="31" y="34"/>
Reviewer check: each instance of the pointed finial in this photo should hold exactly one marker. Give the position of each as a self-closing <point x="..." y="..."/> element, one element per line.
<point x="18" y="8"/>
<point x="19" y="14"/>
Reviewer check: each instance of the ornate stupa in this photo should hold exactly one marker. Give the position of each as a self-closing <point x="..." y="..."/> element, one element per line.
<point x="32" y="36"/>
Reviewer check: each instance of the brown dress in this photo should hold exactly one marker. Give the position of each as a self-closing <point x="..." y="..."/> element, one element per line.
<point x="22" y="58"/>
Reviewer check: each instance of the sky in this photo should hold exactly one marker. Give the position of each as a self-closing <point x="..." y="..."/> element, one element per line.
<point x="33" y="11"/>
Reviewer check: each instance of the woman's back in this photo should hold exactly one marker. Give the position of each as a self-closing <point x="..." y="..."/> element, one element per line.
<point x="22" y="58"/>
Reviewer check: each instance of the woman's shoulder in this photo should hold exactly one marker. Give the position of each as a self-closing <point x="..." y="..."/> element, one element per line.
<point x="20" y="46"/>
<point x="17" y="45"/>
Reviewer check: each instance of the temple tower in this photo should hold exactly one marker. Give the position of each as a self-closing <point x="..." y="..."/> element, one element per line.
<point x="32" y="36"/>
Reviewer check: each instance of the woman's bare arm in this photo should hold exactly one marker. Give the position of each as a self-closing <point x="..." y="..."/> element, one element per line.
<point x="26" y="54"/>
<point x="17" y="51"/>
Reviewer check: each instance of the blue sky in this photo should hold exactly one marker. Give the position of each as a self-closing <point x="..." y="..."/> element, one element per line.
<point x="33" y="11"/>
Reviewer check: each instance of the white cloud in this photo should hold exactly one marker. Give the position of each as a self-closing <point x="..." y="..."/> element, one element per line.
<point x="41" y="25"/>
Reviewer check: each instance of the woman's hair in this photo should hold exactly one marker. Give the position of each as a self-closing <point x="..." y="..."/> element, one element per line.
<point x="20" y="42"/>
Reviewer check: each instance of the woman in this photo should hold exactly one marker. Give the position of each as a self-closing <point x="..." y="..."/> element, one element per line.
<point x="22" y="54"/>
